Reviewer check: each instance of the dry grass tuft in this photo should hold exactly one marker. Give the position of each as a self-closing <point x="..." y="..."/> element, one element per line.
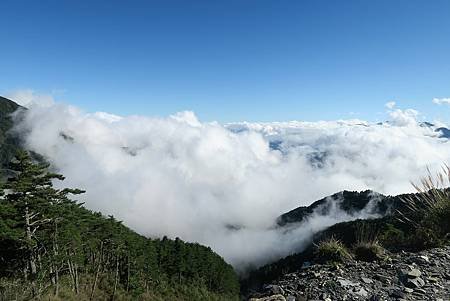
<point x="367" y="247"/>
<point x="428" y="211"/>
<point x="332" y="250"/>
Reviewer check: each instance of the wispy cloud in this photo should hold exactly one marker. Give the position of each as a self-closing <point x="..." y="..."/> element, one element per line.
<point x="441" y="101"/>
<point x="29" y="97"/>
<point x="401" y="117"/>
<point x="390" y="105"/>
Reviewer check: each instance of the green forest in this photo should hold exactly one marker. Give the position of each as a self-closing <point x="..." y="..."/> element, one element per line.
<point x="53" y="248"/>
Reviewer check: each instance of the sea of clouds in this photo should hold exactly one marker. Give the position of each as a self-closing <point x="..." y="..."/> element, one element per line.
<point x="224" y="185"/>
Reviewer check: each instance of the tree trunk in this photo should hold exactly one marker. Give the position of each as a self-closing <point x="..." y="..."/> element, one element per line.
<point x="32" y="261"/>
<point x="71" y="272"/>
<point x="55" y="259"/>
<point x="76" y="278"/>
<point x="56" y="281"/>
<point x="128" y="273"/>
<point x="97" y="272"/>
<point x="31" y="255"/>
<point x="116" y="278"/>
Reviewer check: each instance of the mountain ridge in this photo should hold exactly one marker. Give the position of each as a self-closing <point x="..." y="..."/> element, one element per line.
<point x="349" y="201"/>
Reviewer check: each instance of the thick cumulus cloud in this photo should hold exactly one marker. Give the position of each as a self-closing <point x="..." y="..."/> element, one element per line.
<point x="224" y="185"/>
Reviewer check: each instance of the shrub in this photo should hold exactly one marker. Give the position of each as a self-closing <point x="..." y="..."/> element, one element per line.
<point x="428" y="211"/>
<point x="368" y="251"/>
<point x="367" y="247"/>
<point x="392" y="238"/>
<point x="332" y="250"/>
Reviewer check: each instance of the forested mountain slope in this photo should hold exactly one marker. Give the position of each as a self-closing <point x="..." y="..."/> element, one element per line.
<point x="52" y="247"/>
<point x="8" y="143"/>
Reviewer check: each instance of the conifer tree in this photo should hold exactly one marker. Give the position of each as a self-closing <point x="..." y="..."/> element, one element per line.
<point x="30" y="192"/>
<point x="48" y="242"/>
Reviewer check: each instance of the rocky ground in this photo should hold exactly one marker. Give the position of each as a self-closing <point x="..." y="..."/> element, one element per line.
<point x="402" y="276"/>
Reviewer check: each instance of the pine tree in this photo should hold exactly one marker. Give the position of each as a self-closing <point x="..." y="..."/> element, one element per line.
<point x="30" y="192"/>
<point x="49" y="241"/>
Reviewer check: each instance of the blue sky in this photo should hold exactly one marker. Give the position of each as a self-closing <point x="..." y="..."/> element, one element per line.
<point x="231" y="60"/>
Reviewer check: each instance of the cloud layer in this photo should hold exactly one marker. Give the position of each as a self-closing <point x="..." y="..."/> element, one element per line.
<point x="224" y="185"/>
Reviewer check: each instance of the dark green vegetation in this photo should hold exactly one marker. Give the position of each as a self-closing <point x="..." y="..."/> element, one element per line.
<point x="428" y="211"/>
<point x="9" y="144"/>
<point x="53" y="248"/>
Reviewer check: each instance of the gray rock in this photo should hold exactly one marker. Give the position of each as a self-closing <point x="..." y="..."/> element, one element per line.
<point x="408" y="290"/>
<point x="346" y="282"/>
<point x="383" y="278"/>
<point x="414" y="283"/>
<point x="424" y="258"/>
<point x="397" y="294"/>
<point x="269" y="298"/>
<point x="413" y="273"/>
<point x="408" y="276"/>
<point x="362" y="292"/>
<point x="420" y="291"/>
<point x="410" y="273"/>
<point x="273" y="290"/>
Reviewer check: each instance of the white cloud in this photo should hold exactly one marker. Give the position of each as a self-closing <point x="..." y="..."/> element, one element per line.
<point x="390" y="105"/>
<point x="107" y="117"/>
<point x="404" y="117"/>
<point x="441" y="101"/>
<point x="178" y="176"/>
<point x="28" y="97"/>
<point x="401" y="117"/>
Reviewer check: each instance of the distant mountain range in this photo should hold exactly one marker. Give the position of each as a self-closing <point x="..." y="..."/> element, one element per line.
<point x="282" y="135"/>
<point x="444" y="132"/>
